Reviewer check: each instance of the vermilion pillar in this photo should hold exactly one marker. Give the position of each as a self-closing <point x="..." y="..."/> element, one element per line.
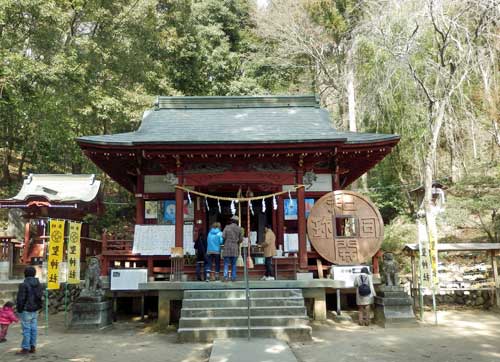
<point x="301" y="209"/>
<point x="179" y="214"/>
<point x="280" y="215"/>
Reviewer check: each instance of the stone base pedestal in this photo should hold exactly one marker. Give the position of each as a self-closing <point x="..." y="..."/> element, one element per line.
<point x="91" y="314"/>
<point x="394" y="308"/>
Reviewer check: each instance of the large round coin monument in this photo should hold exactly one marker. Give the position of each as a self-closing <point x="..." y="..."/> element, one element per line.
<point x="345" y="228"/>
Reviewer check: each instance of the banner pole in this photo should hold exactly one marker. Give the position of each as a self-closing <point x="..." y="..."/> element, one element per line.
<point x="46" y="311"/>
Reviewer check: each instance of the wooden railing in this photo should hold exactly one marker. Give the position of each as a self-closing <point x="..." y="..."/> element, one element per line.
<point x="115" y="247"/>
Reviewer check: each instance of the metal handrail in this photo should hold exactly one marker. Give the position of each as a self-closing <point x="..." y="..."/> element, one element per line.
<point x="247" y="290"/>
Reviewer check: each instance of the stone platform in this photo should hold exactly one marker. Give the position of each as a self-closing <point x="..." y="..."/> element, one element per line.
<point x="315" y="289"/>
<point x="89" y="314"/>
<point x="394" y="308"/>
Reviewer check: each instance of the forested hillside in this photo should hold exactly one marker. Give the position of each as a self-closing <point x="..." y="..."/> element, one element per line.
<point x="427" y="70"/>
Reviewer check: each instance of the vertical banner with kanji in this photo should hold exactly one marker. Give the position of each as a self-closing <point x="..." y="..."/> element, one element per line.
<point x="74" y="253"/>
<point x="56" y="248"/>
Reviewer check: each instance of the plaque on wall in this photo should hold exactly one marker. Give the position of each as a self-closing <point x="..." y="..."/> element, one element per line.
<point x="345" y="228"/>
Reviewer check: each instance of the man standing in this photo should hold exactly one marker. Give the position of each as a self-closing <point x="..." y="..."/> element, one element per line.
<point x="233" y="236"/>
<point x="29" y="301"/>
<point x="269" y="246"/>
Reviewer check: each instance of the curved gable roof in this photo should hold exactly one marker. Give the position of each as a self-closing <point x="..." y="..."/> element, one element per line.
<point x="209" y="120"/>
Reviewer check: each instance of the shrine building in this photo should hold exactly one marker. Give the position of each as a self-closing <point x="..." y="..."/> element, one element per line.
<point x="235" y="147"/>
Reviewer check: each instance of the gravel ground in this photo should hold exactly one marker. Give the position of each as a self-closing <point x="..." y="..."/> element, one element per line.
<point x="462" y="335"/>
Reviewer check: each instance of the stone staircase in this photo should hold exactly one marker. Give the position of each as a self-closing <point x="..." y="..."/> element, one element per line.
<point x="275" y="313"/>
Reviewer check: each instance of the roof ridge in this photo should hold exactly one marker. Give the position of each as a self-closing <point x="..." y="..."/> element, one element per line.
<point x="208" y="102"/>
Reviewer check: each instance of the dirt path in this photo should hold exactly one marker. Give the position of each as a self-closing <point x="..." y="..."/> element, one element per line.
<point x="461" y="336"/>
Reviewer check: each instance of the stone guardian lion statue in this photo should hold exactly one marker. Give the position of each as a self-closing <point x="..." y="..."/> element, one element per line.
<point x="390" y="270"/>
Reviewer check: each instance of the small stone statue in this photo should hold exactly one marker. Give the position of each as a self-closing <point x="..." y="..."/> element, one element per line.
<point x="93" y="285"/>
<point x="390" y="270"/>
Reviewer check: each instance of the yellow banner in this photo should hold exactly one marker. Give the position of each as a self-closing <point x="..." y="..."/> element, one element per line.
<point x="56" y="249"/>
<point x="74" y="253"/>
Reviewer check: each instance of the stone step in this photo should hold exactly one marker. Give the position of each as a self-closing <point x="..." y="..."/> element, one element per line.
<point x="240" y="302"/>
<point x="241" y="293"/>
<point x="394" y="301"/>
<point x="399" y="323"/>
<point x="262" y="321"/>
<point x="399" y="294"/>
<point x="298" y="311"/>
<point x="300" y="333"/>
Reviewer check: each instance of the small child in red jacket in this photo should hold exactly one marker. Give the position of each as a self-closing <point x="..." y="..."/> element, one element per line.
<point x="7" y="317"/>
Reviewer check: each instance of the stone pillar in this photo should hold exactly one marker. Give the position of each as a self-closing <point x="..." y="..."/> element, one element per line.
<point x="319" y="302"/>
<point x="163" y="308"/>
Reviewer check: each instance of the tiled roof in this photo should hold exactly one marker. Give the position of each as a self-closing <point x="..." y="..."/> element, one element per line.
<point x="209" y="120"/>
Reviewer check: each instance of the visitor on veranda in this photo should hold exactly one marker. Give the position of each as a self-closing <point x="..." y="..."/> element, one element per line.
<point x="214" y="242"/>
<point x="364" y="295"/>
<point x="7" y="317"/>
<point x="29" y="302"/>
<point x="200" y="246"/>
<point x="233" y="236"/>
<point x="269" y="246"/>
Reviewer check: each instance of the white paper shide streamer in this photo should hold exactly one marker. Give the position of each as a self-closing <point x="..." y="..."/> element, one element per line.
<point x="275" y="203"/>
<point x="233" y="208"/>
<point x="206" y="204"/>
<point x="189" y="199"/>
<point x="218" y="204"/>
<point x="251" y="207"/>
<point x="263" y="205"/>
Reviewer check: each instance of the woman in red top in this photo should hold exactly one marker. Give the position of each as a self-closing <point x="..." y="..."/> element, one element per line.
<point x="7" y="317"/>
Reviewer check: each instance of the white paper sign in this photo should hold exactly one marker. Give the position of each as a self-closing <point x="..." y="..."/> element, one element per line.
<point x="347" y="273"/>
<point x="153" y="239"/>
<point x="291" y="243"/>
<point x="128" y="279"/>
<point x="188" y="243"/>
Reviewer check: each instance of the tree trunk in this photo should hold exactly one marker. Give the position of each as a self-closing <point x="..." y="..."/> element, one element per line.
<point x="6" y="166"/>
<point x="351" y="97"/>
<point x="20" y="169"/>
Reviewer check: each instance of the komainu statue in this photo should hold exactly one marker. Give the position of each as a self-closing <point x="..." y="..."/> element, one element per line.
<point x="93" y="285"/>
<point x="390" y="270"/>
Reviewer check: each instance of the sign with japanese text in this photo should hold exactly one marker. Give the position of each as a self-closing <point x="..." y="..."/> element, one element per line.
<point x="56" y="249"/>
<point x="74" y="253"/>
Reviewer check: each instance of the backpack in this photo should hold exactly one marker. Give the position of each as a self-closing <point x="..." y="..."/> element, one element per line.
<point x="364" y="289"/>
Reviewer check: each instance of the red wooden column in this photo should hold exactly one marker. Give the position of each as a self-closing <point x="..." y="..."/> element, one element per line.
<point x="301" y="208"/>
<point x="179" y="209"/>
<point x="139" y="200"/>
<point x="280" y="218"/>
